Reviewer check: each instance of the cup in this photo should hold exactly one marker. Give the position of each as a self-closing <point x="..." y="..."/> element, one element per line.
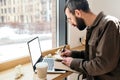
<point x="41" y="69"/>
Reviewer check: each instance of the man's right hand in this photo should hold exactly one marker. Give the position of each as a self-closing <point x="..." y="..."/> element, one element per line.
<point x="66" y="53"/>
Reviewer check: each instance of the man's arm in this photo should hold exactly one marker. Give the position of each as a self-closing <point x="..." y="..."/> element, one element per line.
<point x="78" y="54"/>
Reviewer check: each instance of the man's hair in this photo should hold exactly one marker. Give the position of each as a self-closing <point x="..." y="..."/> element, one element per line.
<point x="72" y="5"/>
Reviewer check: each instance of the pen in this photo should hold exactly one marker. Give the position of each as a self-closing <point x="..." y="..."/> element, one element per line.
<point x="63" y="48"/>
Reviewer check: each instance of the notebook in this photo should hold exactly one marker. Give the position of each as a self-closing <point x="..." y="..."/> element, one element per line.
<point x="36" y="56"/>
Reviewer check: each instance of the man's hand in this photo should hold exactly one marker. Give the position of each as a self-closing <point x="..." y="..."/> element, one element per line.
<point x="66" y="53"/>
<point x="67" y="61"/>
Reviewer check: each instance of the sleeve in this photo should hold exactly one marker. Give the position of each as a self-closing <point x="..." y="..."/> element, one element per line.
<point x="78" y="54"/>
<point x="107" y="54"/>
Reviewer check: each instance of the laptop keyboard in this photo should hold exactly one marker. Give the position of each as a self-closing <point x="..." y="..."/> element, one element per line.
<point x="50" y="62"/>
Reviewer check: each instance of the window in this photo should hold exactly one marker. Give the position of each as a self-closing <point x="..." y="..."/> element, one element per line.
<point x="24" y="21"/>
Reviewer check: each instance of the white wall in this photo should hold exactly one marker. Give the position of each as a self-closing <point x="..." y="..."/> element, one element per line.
<point x="110" y="7"/>
<point x="73" y="36"/>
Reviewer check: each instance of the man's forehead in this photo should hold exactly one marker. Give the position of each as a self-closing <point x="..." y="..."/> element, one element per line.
<point x="67" y="12"/>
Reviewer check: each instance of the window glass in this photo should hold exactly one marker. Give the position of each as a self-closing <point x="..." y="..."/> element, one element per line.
<point x="22" y="20"/>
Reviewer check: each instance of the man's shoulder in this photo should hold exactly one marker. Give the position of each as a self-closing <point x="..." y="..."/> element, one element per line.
<point x="108" y="21"/>
<point x="108" y="18"/>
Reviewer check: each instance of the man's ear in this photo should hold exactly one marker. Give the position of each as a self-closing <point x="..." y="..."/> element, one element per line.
<point x="77" y="13"/>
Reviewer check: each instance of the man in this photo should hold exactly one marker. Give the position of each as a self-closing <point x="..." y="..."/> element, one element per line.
<point x="101" y="58"/>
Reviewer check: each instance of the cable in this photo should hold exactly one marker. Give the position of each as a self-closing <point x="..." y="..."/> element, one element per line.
<point x="78" y="76"/>
<point x="81" y="41"/>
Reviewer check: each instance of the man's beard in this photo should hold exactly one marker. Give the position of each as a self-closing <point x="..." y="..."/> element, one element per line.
<point x="80" y="23"/>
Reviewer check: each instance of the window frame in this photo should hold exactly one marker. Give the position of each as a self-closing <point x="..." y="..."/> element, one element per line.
<point x="61" y="24"/>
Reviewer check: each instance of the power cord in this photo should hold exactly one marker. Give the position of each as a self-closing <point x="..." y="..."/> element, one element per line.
<point x="78" y="76"/>
<point x="81" y="41"/>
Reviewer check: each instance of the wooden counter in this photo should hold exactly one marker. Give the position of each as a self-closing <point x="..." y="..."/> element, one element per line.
<point x="27" y="69"/>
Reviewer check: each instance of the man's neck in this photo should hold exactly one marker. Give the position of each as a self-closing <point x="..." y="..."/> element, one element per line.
<point x="89" y="18"/>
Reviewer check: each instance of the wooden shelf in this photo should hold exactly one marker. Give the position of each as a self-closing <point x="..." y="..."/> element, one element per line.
<point x="78" y="48"/>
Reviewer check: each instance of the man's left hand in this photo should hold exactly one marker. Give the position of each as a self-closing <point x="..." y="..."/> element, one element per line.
<point x="67" y="61"/>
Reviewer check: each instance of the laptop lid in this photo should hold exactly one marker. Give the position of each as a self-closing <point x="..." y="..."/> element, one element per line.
<point x="35" y="51"/>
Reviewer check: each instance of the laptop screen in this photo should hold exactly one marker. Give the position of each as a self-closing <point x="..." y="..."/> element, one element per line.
<point x="34" y="49"/>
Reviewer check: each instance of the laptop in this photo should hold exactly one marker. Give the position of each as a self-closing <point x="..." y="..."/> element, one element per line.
<point x="36" y="56"/>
